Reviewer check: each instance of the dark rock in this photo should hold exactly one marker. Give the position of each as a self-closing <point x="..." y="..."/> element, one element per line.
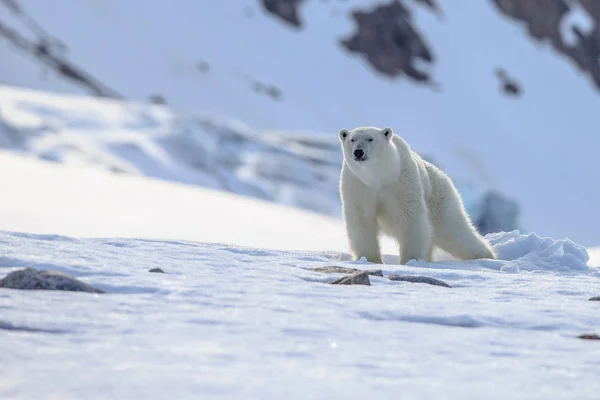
<point x="286" y="10"/>
<point x="157" y="99"/>
<point x="158" y="270"/>
<point x="499" y="214"/>
<point x="34" y="279"/>
<point x="334" y="269"/>
<point x="543" y="20"/>
<point x="418" y="279"/>
<point x="509" y="86"/>
<point x="203" y="66"/>
<point x="597" y="298"/>
<point x="386" y="37"/>
<point x="359" y="278"/>
<point x="270" y="90"/>
<point x="589" y="336"/>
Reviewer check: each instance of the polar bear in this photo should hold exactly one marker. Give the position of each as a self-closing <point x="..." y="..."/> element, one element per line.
<point x="386" y="188"/>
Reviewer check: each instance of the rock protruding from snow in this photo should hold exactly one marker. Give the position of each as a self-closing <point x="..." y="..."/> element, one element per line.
<point x="596" y="298"/>
<point x="334" y="269"/>
<point x="34" y="279"/>
<point x="498" y="214"/>
<point x="418" y="279"/>
<point x="157" y="270"/>
<point x="359" y="278"/>
<point x="550" y="21"/>
<point x="385" y="35"/>
<point x="589" y="336"/>
<point x="287" y="10"/>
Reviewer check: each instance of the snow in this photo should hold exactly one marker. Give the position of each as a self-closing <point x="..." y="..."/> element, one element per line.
<point x="594" y="254"/>
<point x="299" y="169"/>
<point x="474" y="131"/>
<point x="150" y="140"/>
<point x="240" y="315"/>
<point x="236" y="212"/>
<point x="83" y="201"/>
<point x="576" y="17"/>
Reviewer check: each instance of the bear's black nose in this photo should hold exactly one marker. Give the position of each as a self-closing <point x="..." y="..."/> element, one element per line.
<point x="358" y="153"/>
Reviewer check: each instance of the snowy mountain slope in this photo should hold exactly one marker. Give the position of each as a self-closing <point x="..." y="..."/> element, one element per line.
<point x="150" y="140"/>
<point x="297" y="169"/>
<point x="227" y="321"/>
<point x="235" y="59"/>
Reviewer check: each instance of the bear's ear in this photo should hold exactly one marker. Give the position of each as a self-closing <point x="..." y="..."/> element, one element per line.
<point x="387" y="132"/>
<point x="343" y="134"/>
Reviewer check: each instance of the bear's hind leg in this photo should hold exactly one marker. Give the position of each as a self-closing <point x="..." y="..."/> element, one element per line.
<point x="459" y="238"/>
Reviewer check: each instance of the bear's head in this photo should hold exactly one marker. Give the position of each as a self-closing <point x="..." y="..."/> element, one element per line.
<point x="365" y="143"/>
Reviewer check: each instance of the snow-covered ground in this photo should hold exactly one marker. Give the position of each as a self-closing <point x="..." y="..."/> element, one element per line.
<point x="515" y="146"/>
<point x="232" y="321"/>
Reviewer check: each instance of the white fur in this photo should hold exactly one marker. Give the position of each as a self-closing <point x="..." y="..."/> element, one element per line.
<point x="393" y="191"/>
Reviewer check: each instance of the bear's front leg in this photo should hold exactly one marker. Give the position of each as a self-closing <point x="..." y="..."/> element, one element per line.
<point x="362" y="231"/>
<point x="415" y="238"/>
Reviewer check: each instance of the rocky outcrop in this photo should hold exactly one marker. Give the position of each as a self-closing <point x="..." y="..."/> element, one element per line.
<point x="359" y="278"/>
<point x="499" y="214"/>
<point x="334" y="269"/>
<point x="589" y="336"/>
<point x="418" y="279"/>
<point x="286" y="10"/>
<point x="34" y="279"/>
<point x="388" y="39"/>
<point x="543" y="19"/>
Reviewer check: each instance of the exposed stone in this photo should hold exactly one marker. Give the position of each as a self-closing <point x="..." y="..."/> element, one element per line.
<point x="334" y="269"/>
<point x="286" y="10"/>
<point x="597" y="298"/>
<point x="270" y="90"/>
<point x="158" y="270"/>
<point x="386" y="37"/>
<point x="543" y="19"/>
<point x="157" y="99"/>
<point x="508" y="85"/>
<point x="589" y="336"/>
<point x="359" y="278"/>
<point x="499" y="214"/>
<point x="34" y="279"/>
<point x="418" y="279"/>
<point x="203" y="66"/>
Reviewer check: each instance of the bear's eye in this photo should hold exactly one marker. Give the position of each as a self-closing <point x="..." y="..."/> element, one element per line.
<point x="352" y="140"/>
<point x="370" y="140"/>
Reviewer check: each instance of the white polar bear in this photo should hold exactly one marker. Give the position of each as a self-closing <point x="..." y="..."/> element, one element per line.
<point x="386" y="188"/>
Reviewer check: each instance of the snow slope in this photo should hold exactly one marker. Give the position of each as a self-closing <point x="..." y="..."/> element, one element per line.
<point x="475" y="132"/>
<point x="295" y="168"/>
<point x="83" y="201"/>
<point x="231" y="321"/>
<point x="151" y="140"/>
